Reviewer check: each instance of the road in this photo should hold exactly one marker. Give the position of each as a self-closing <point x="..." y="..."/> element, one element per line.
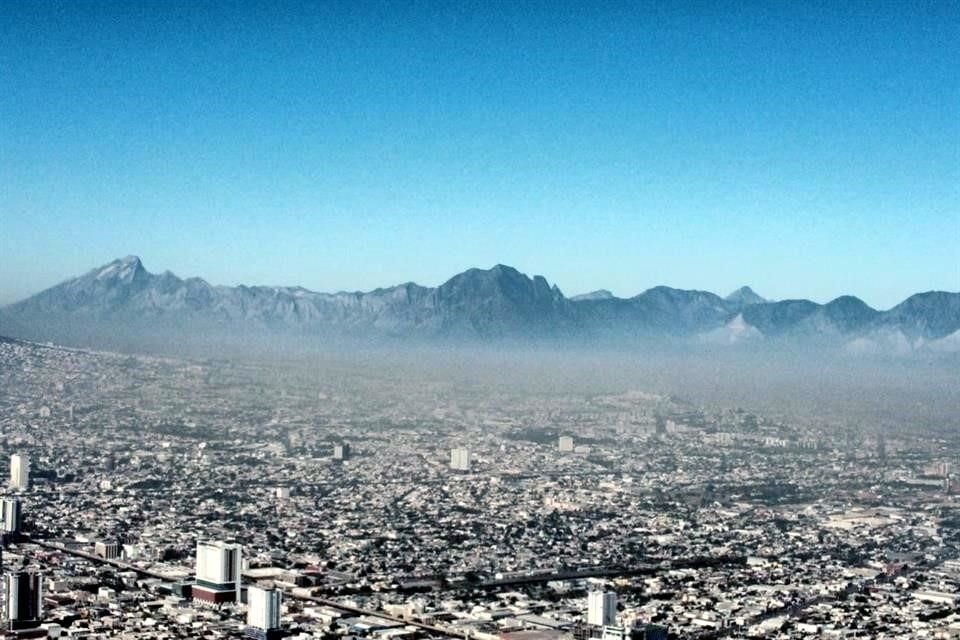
<point x="333" y="604"/>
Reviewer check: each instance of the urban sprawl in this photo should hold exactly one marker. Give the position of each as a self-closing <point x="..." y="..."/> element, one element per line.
<point x="157" y="498"/>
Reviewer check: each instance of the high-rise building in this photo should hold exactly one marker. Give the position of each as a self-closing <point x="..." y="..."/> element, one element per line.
<point x="341" y="451"/>
<point x="566" y="444"/>
<point x="263" y="613"/>
<point x="460" y="459"/>
<point x="10" y="515"/>
<point x="19" y="472"/>
<point x="602" y="608"/>
<point x="24" y="600"/>
<point x="218" y="572"/>
<point x="107" y="550"/>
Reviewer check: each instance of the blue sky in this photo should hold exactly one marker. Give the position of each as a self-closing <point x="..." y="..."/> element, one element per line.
<point x="807" y="151"/>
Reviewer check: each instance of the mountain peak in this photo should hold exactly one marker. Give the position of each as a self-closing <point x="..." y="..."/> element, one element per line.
<point x="746" y="296"/>
<point x="126" y="269"/>
<point x="599" y="294"/>
<point x="123" y="298"/>
<point x="505" y="270"/>
<point x="930" y="315"/>
<point x="847" y="301"/>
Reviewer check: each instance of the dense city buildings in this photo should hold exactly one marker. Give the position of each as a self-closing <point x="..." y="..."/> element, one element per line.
<point x="666" y="518"/>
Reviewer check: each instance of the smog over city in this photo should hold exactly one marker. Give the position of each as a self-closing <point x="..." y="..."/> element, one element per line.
<point x="493" y="321"/>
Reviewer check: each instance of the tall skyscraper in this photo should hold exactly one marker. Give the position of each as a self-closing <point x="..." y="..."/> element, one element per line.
<point x="218" y="572"/>
<point x="10" y="515"/>
<point x="19" y="472"/>
<point x="24" y="600"/>
<point x="566" y="444"/>
<point x="460" y="459"/>
<point x="341" y="451"/>
<point x="263" y="613"/>
<point x="602" y="608"/>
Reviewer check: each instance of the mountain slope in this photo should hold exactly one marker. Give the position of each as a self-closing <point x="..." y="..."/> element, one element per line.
<point x="805" y="319"/>
<point x="599" y="294"/>
<point x="490" y="303"/>
<point x="930" y="316"/>
<point x="123" y="299"/>
<point x="745" y="296"/>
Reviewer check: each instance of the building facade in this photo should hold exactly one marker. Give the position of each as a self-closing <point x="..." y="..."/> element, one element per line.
<point x="602" y="608"/>
<point x="19" y="472"/>
<point x="23" y="600"/>
<point x="460" y="459"/>
<point x="217" y="572"/>
<point x="107" y="550"/>
<point x="10" y="515"/>
<point x="263" y="612"/>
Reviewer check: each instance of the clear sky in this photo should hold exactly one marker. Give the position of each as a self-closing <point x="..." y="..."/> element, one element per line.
<point x="807" y="151"/>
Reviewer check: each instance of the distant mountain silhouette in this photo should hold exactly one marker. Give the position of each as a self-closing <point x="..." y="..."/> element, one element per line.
<point x="123" y="299"/>
<point x="929" y="315"/>
<point x="744" y="296"/>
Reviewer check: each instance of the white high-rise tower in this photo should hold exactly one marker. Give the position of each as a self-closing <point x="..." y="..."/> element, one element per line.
<point x="218" y="572"/>
<point x="263" y="613"/>
<point x="19" y="472"/>
<point x="460" y="459"/>
<point x="10" y="515"/>
<point x="602" y="608"/>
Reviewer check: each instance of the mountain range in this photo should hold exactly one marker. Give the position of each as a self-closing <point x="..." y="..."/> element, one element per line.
<point x="499" y="304"/>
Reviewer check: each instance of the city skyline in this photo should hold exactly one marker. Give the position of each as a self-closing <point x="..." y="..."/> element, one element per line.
<point x="765" y="510"/>
<point x="346" y="148"/>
